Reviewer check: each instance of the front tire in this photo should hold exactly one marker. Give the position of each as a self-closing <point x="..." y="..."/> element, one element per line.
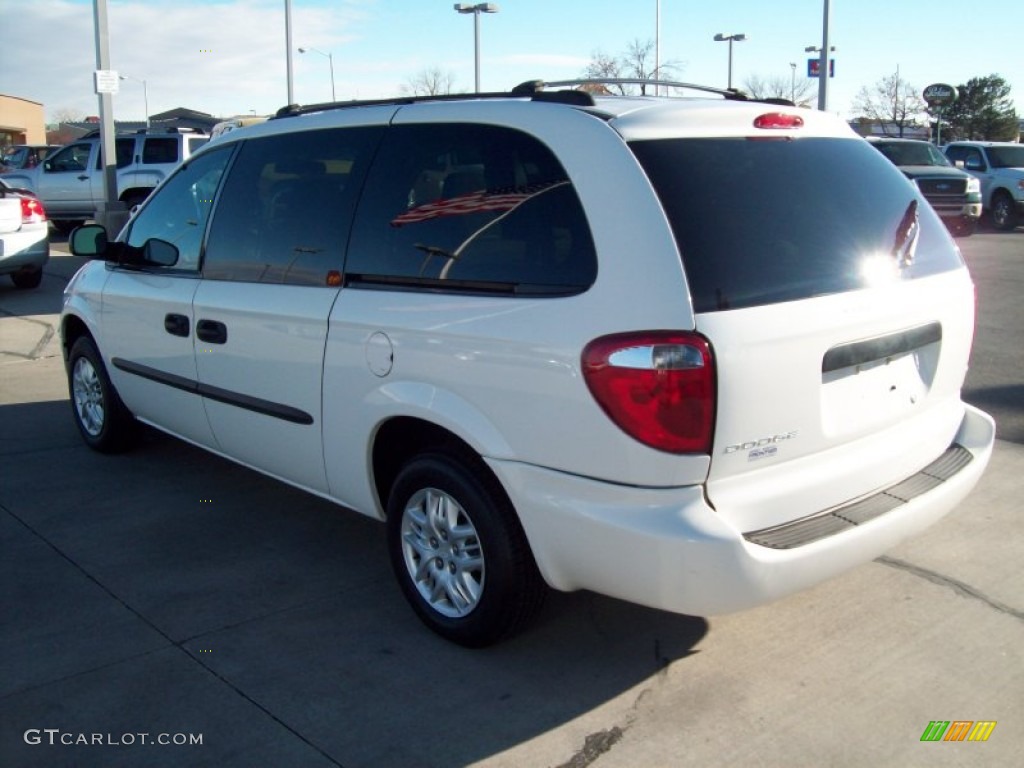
<point x="67" y="227"/>
<point x="1004" y="212"/>
<point x="27" y="278"/>
<point x="458" y="551"/>
<point x="104" y="422"/>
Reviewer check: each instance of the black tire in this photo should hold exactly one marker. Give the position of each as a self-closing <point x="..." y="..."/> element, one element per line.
<point x="132" y="199"/>
<point x="27" y="278"/>
<point x="104" y="422"/>
<point x="66" y="227"/>
<point x="484" y="582"/>
<point x="1004" y="212"/>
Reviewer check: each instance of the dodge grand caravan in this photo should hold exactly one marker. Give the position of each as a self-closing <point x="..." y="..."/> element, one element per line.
<point x="693" y="352"/>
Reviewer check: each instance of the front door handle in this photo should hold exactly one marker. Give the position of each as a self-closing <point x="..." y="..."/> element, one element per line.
<point x="176" y="325"/>
<point x="83" y="178"/>
<point x="211" y="331"/>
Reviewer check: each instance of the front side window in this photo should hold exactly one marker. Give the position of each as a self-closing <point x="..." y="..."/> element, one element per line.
<point x="71" y="158"/>
<point x="177" y="213"/>
<point x="470" y="207"/>
<point x="287" y="206"/>
<point x="763" y="222"/>
<point x="1007" y="157"/>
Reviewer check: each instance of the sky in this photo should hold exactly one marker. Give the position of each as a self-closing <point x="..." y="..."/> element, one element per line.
<point x="228" y="57"/>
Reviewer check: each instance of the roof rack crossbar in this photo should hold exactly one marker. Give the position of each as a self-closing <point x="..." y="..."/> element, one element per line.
<point x="728" y="93"/>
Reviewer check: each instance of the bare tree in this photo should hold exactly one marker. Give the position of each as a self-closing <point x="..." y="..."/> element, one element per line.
<point x="429" y="81"/>
<point x="892" y="104"/>
<point x="603" y="65"/>
<point x="67" y="115"/>
<point x="801" y="92"/>
<point x="636" y="62"/>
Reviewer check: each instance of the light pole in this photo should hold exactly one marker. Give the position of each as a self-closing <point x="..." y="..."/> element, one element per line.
<point x="739" y="37"/>
<point x="823" y="68"/>
<point x="145" y="93"/>
<point x="792" y="82"/>
<point x="330" y="60"/>
<point x="823" y="72"/>
<point x="476" y="10"/>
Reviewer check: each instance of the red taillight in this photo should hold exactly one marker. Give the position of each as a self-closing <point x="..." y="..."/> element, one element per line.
<point x="657" y="386"/>
<point x="32" y="211"/>
<point x="778" y="120"/>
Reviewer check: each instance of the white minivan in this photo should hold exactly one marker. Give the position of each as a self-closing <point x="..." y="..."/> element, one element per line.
<point x="696" y="353"/>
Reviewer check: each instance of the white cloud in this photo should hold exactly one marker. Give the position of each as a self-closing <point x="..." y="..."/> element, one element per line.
<point x="223" y="58"/>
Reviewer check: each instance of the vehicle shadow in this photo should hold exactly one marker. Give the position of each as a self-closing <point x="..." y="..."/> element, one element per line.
<point x="1006" y="404"/>
<point x="267" y="619"/>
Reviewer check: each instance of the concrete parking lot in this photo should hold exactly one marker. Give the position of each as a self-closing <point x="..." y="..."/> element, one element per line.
<point x="168" y="597"/>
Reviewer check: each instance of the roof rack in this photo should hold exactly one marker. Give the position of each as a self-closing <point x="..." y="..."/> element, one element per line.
<point x="535" y="90"/>
<point x="728" y="93"/>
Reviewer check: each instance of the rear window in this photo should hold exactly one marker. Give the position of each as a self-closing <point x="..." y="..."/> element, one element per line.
<point x="765" y="221"/>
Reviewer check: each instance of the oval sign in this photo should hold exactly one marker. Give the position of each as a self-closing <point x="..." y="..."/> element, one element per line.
<point x="939" y="95"/>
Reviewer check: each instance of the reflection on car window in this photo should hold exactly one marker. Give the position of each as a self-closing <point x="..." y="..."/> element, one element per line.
<point x="178" y="212"/>
<point x="287" y="207"/>
<point x="471" y="207"/>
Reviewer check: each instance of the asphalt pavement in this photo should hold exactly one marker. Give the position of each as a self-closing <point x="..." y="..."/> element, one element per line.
<point x="169" y="608"/>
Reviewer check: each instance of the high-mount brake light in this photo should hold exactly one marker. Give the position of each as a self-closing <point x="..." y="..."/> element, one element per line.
<point x="657" y="386"/>
<point x="773" y="120"/>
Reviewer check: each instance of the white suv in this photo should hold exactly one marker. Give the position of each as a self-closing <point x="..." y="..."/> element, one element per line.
<point x="695" y="353"/>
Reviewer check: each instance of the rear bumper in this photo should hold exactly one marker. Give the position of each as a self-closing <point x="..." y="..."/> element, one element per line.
<point x="24" y="248"/>
<point x="666" y="548"/>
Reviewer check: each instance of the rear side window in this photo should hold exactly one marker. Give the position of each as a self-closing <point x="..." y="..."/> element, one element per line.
<point x="286" y="207"/>
<point x="765" y="221"/>
<point x="163" y="149"/>
<point x="470" y="207"/>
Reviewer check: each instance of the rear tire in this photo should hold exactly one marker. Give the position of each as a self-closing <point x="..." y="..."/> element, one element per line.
<point x="459" y="552"/>
<point x="66" y="227"/>
<point x="27" y="278"/>
<point x="1004" y="212"/>
<point x="104" y="422"/>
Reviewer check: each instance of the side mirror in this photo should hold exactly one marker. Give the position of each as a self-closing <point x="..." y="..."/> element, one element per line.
<point x="89" y="241"/>
<point x="159" y="253"/>
<point x="974" y="164"/>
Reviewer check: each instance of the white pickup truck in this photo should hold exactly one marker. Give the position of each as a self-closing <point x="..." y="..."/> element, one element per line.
<point x="70" y="181"/>
<point x="999" y="166"/>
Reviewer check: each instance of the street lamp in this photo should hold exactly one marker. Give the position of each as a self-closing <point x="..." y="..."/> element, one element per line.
<point x="145" y="93"/>
<point x="330" y="59"/>
<point x="476" y="10"/>
<point x="792" y="82"/>
<point x="720" y="38"/>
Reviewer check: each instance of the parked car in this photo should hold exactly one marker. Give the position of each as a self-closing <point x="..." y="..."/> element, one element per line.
<point x="70" y="181"/>
<point x="17" y="156"/>
<point x="694" y="353"/>
<point x="954" y="194"/>
<point x="999" y="166"/>
<point x="24" y="236"/>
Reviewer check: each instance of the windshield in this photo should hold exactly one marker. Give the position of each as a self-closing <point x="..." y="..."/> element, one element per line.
<point x="1006" y="157"/>
<point x="762" y="222"/>
<point x="911" y="153"/>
